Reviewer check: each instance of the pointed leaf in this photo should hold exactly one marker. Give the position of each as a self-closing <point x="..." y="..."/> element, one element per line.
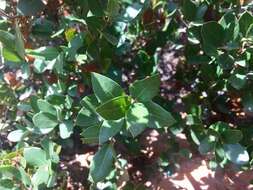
<point x="86" y="118"/>
<point x="144" y="90"/>
<point x="245" y="21"/>
<point x="114" y="109"/>
<point x="113" y="7"/>
<point x="11" y="55"/>
<point x="104" y="88"/>
<point x="160" y="115"/>
<point x="19" y="42"/>
<point x="91" y="135"/>
<point x="102" y="163"/>
<point x="137" y="119"/>
<point x="7" y="39"/>
<point x="109" y="129"/>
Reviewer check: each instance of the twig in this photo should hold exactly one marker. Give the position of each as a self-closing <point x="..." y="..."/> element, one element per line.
<point x="4" y="14"/>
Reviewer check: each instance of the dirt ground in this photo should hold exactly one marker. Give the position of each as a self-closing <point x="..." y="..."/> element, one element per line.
<point x="193" y="174"/>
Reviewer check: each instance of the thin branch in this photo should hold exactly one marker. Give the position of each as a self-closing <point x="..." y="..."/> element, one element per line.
<point x="4" y="14"/>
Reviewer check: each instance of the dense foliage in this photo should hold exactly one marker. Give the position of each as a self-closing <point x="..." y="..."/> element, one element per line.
<point x="91" y="69"/>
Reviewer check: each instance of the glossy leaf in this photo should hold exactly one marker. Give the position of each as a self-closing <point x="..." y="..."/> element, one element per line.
<point x="102" y="163"/>
<point x="11" y="56"/>
<point x="105" y="88"/>
<point x="115" y="108"/>
<point x="236" y="153"/>
<point x="137" y="119"/>
<point x="245" y="21"/>
<point x="109" y="129"/>
<point x="41" y="176"/>
<point x="66" y="129"/>
<point x="15" y="136"/>
<point x="207" y="144"/>
<point x="7" y="39"/>
<point x="86" y="118"/>
<point x="232" y="136"/>
<point x="91" y="135"/>
<point x="209" y="34"/>
<point x="159" y="114"/>
<point x="19" y="42"/>
<point x="35" y="156"/>
<point x="46" y="107"/>
<point x="9" y="171"/>
<point x="144" y="90"/>
<point x="45" y="120"/>
<point x="30" y="7"/>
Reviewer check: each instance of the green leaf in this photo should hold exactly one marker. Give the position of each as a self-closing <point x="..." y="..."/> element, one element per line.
<point x="66" y="129"/>
<point x="225" y="61"/>
<point x="7" y="39"/>
<point x="91" y="135"/>
<point x="102" y="163"/>
<point x="104" y="88"/>
<point x="45" y="120"/>
<point x="86" y="118"/>
<point x="9" y="171"/>
<point x="247" y="102"/>
<point x="90" y="102"/>
<point x="46" y="107"/>
<point x="236" y="154"/>
<point x="219" y="127"/>
<point x="39" y="65"/>
<point x="207" y="144"/>
<point x="24" y="177"/>
<point x="19" y="42"/>
<point x="231" y="26"/>
<point x="109" y="129"/>
<point x="113" y="8"/>
<point x="110" y="38"/>
<point x="232" y="136"/>
<point x="189" y="10"/>
<point x="209" y="33"/>
<point x="237" y="80"/>
<point x="58" y="63"/>
<point x="144" y="90"/>
<point x="6" y="184"/>
<point x="47" y="53"/>
<point x="159" y="114"/>
<point x="137" y="119"/>
<point x="245" y="21"/>
<point x="52" y="149"/>
<point x="16" y="136"/>
<point x="115" y="108"/>
<point x="35" y="156"/>
<point x="96" y="7"/>
<point x="41" y="176"/>
<point x="213" y="165"/>
<point x="10" y="55"/>
<point x="52" y="180"/>
<point x="30" y="7"/>
<point x="74" y="45"/>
